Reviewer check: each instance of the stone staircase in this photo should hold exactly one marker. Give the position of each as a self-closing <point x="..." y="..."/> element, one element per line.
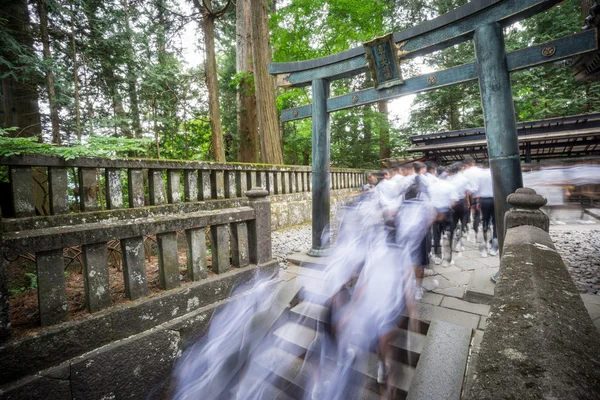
<point x="427" y="364"/>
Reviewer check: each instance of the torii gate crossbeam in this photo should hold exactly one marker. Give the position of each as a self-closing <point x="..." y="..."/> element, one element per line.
<point x="480" y="20"/>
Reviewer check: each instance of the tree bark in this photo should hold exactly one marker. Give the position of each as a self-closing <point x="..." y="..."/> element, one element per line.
<point x="270" y="144"/>
<point x="20" y="96"/>
<point x="131" y="79"/>
<point x="41" y="6"/>
<point x="210" y="68"/>
<point x="247" y="124"/>
<point x="75" y="76"/>
<point x="384" y="134"/>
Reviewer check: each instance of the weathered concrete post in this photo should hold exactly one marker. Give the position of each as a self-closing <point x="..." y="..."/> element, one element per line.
<point x="259" y="229"/>
<point x="4" y="296"/>
<point x="526" y="204"/>
<point x="499" y="118"/>
<point x="320" y="166"/>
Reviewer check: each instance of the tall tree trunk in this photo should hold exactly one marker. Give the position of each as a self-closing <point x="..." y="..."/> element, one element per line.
<point x="270" y="144"/>
<point x="20" y="96"/>
<point x="384" y="133"/>
<point x="41" y="6"/>
<point x="248" y="150"/>
<point x="75" y="76"/>
<point x="131" y="78"/>
<point x="210" y="68"/>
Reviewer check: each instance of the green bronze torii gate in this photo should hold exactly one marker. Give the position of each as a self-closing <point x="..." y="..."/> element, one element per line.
<point x="480" y="20"/>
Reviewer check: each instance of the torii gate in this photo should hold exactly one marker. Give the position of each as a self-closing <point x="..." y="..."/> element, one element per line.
<point x="480" y="20"/>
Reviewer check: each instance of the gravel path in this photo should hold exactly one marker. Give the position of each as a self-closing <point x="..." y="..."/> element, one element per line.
<point x="580" y="249"/>
<point x="290" y="240"/>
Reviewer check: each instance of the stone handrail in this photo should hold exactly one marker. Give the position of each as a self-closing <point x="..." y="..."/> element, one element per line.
<point x="151" y="182"/>
<point x="540" y="341"/>
<point x="241" y="234"/>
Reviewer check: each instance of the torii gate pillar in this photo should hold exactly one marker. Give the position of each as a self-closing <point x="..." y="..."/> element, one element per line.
<point x="320" y="168"/>
<point x="499" y="118"/>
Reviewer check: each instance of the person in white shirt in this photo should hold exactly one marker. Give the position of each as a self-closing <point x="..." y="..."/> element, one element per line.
<point x="482" y="189"/>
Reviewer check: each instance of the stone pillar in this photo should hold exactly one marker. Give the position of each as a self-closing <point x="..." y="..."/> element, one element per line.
<point x="526" y="204"/>
<point x="135" y="184"/>
<point x="4" y="295"/>
<point x="285" y="182"/>
<point x="88" y="189"/>
<point x="259" y="229"/>
<point x="320" y="166"/>
<point x="157" y="189"/>
<point x="230" y="190"/>
<point x="239" y="244"/>
<point x="174" y="186"/>
<point x="190" y="185"/>
<point x="205" y="190"/>
<point x="168" y="260"/>
<point x="271" y="184"/>
<point x="499" y="118"/>
<point x="196" y="254"/>
<point x="114" y="190"/>
<point x="241" y="183"/>
<point x="217" y="183"/>
<point x="58" y="184"/>
<point x="278" y="183"/>
<point x="293" y="186"/>
<point x="21" y="182"/>
<point x="52" y="288"/>
<point x="219" y="239"/>
<point x="95" y="276"/>
<point x="4" y="302"/>
<point x="134" y="267"/>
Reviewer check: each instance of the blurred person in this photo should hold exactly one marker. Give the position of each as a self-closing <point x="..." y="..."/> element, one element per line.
<point x="482" y="189"/>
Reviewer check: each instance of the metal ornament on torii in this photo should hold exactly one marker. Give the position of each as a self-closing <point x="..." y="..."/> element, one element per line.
<point x="480" y="20"/>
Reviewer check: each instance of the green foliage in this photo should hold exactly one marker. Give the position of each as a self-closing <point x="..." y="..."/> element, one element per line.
<point x="94" y="147"/>
<point x="32" y="284"/>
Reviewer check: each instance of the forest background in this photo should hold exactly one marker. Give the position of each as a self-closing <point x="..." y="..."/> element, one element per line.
<point x="109" y="78"/>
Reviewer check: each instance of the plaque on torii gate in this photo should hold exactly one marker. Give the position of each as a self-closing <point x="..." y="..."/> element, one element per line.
<point x="382" y="55"/>
<point x="480" y="20"/>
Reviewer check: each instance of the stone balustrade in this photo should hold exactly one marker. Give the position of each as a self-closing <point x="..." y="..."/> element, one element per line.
<point x="101" y="182"/>
<point x="240" y="235"/>
<point x="539" y="341"/>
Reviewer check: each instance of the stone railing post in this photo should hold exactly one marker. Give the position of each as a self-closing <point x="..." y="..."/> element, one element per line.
<point x="4" y="295"/>
<point x="259" y="229"/>
<point x="525" y="210"/>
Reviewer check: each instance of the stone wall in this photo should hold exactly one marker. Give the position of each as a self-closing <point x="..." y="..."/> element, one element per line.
<point x="126" y="202"/>
<point x="296" y="209"/>
<point x="539" y="342"/>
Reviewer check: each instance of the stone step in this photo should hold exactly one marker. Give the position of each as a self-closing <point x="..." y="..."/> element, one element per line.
<point x="296" y="375"/>
<point x="256" y="385"/>
<point x="480" y="288"/>
<point x="300" y="336"/>
<point x="304" y="260"/>
<point x="407" y="340"/>
<point x="311" y="311"/>
<point x="441" y="368"/>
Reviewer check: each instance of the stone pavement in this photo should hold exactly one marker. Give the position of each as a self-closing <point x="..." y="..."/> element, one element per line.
<point x="470" y="274"/>
<point x="463" y="293"/>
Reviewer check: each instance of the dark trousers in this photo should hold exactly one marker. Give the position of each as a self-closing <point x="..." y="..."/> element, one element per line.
<point x="488" y="215"/>
<point x="460" y="213"/>
<point x="439" y="227"/>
